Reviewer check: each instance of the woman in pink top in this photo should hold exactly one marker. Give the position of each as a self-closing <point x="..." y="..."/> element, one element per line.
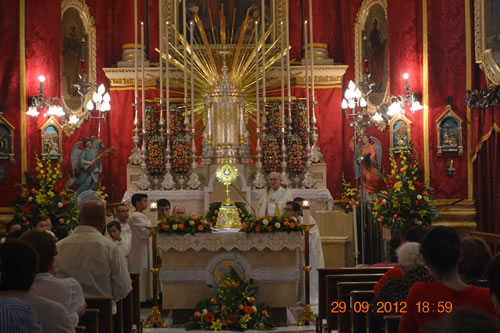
<point x="428" y="301"/>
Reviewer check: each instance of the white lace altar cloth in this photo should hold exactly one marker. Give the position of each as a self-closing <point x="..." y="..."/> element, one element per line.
<point x="229" y="240"/>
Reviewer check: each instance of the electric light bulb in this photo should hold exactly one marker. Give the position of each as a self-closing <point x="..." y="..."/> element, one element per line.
<point x="90" y="105"/>
<point x="41" y="78"/>
<point x="394" y="108"/>
<point x="406" y="76"/>
<point x="377" y="117"/>
<point x="352" y="105"/>
<point x="73" y="119"/>
<point x="344" y="104"/>
<point x="101" y="89"/>
<point x="32" y="111"/>
<point x="351" y="85"/>
<point x="362" y="102"/>
<point x="106" y="98"/>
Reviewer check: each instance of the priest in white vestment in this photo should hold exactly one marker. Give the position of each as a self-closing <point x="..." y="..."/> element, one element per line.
<point x="140" y="258"/>
<point x="274" y="199"/>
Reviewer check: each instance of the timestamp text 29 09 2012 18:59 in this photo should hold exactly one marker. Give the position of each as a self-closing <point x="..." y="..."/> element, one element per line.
<point x="390" y="307"/>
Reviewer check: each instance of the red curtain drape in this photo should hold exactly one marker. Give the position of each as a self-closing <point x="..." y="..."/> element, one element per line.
<point x="487" y="183"/>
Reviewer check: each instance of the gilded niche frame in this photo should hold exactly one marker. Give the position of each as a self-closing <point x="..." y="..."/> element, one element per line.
<point x="449" y="132"/>
<point x="400" y="133"/>
<point x="487" y="38"/>
<point x="78" y="52"/>
<point x="276" y="11"/>
<point x="370" y="42"/>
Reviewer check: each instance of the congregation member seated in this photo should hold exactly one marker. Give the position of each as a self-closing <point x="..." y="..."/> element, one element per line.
<point x="114" y="231"/>
<point x="11" y="226"/>
<point x="413" y="234"/>
<point x="474" y="261"/>
<point x="67" y="291"/>
<point x="441" y="251"/>
<point x="61" y="232"/>
<point x="18" y="266"/>
<point x="91" y="258"/>
<point x="179" y="211"/>
<point x="413" y="269"/>
<point x="494" y="282"/>
<point x="464" y="320"/>
<point x="17" y="316"/>
<point x="41" y="223"/>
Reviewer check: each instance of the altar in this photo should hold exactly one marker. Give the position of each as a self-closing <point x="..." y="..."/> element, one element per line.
<point x="190" y="263"/>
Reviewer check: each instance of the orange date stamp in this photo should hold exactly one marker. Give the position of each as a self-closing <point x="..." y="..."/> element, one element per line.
<point x="390" y="307"/>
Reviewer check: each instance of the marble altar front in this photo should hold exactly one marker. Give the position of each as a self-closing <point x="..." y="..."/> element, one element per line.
<point x="190" y="263"/>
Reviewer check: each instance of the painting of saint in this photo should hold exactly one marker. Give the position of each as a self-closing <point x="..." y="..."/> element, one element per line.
<point x="51" y="140"/>
<point x="493" y="27"/>
<point x="210" y="12"/>
<point x="74" y="51"/>
<point x="374" y="49"/>
<point x="400" y="135"/>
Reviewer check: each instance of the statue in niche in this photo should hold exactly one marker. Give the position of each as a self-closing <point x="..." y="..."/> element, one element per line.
<point x="86" y="163"/>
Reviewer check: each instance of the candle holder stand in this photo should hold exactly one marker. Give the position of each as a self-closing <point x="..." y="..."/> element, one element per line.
<point x="308" y="314"/>
<point x="155" y="318"/>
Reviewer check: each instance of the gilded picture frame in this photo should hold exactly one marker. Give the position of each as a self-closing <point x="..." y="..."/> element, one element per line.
<point x="51" y="139"/>
<point x="276" y="11"/>
<point x="370" y="43"/>
<point x="449" y="132"/>
<point x="400" y="133"/>
<point x="6" y="140"/>
<point x="78" y="56"/>
<point x="487" y="38"/>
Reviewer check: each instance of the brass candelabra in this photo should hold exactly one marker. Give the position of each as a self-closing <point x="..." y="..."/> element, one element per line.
<point x="155" y="318"/>
<point x="307" y="314"/>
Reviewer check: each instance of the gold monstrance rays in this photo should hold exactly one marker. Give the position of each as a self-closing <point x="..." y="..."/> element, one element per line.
<point x="238" y="54"/>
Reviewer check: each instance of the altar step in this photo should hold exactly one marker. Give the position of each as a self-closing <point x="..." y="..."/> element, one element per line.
<point x="282" y="329"/>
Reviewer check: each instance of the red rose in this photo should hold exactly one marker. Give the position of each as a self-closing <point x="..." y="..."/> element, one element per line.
<point x="419" y="186"/>
<point x="200" y="227"/>
<point x="27" y="209"/>
<point x="208" y="317"/>
<point x="213" y="300"/>
<point x="248" y="309"/>
<point x="390" y="182"/>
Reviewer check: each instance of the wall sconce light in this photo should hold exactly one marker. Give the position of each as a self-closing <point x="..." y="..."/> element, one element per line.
<point x="450" y="167"/>
<point x="38" y="103"/>
<point x="397" y="103"/>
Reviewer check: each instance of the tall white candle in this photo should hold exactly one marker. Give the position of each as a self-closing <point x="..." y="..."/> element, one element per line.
<point x="312" y="54"/>
<point x="263" y="32"/>
<point x="307" y="81"/>
<point x="136" y="28"/>
<point x="288" y="66"/>
<point x="167" y="77"/>
<point x="282" y="37"/>
<point x="142" y="83"/>
<point x="184" y="23"/>
<point x="191" y="25"/>
<point x="160" y="26"/>
<point x="257" y="97"/>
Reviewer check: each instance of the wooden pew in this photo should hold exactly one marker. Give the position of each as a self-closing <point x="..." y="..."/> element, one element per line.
<point x="323" y="302"/>
<point x="105" y="307"/>
<point x="344" y="290"/>
<point x="392" y="323"/>
<point x="136" y="302"/>
<point x="79" y="329"/>
<point x="90" y="320"/>
<point x="358" y="319"/>
<point x="118" y="318"/>
<point x="127" y="313"/>
<point x="332" y="292"/>
<point x="493" y="240"/>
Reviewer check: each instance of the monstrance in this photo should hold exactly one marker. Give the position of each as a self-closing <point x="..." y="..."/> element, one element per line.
<point x="226" y="174"/>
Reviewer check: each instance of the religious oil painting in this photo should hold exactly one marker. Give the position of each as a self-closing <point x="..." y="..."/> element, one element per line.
<point x="371" y="56"/>
<point x="487" y="33"/>
<point x="449" y="132"/>
<point x="78" y="56"/>
<point x="51" y="134"/>
<point x="6" y="140"/>
<point x="400" y="133"/>
<point x="224" y="19"/>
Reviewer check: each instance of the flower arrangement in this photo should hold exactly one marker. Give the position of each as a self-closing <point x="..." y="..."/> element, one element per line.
<point x="155" y="159"/>
<point x="299" y="120"/>
<point x="176" y="121"/>
<point x="296" y="156"/>
<point x="213" y="212"/>
<point x="349" y="195"/>
<point x="234" y="307"/>
<point x="175" y="225"/>
<point x="407" y="201"/>
<point x="273" y="121"/>
<point x="180" y="155"/>
<point x="271" y="155"/>
<point x="271" y="224"/>
<point x="46" y="193"/>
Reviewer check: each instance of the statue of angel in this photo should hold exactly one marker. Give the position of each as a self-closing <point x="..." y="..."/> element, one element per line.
<point x="86" y="163"/>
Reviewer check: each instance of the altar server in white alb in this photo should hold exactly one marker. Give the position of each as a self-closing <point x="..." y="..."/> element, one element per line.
<point x="273" y="201"/>
<point x="139" y="258"/>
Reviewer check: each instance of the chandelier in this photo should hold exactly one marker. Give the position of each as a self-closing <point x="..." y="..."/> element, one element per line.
<point x="38" y="103"/>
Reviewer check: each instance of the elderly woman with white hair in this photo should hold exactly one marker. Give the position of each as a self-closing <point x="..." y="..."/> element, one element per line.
<point x="413" y="268"/>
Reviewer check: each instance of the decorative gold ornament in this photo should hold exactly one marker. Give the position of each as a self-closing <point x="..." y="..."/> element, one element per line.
<point x="226" y="174"/>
